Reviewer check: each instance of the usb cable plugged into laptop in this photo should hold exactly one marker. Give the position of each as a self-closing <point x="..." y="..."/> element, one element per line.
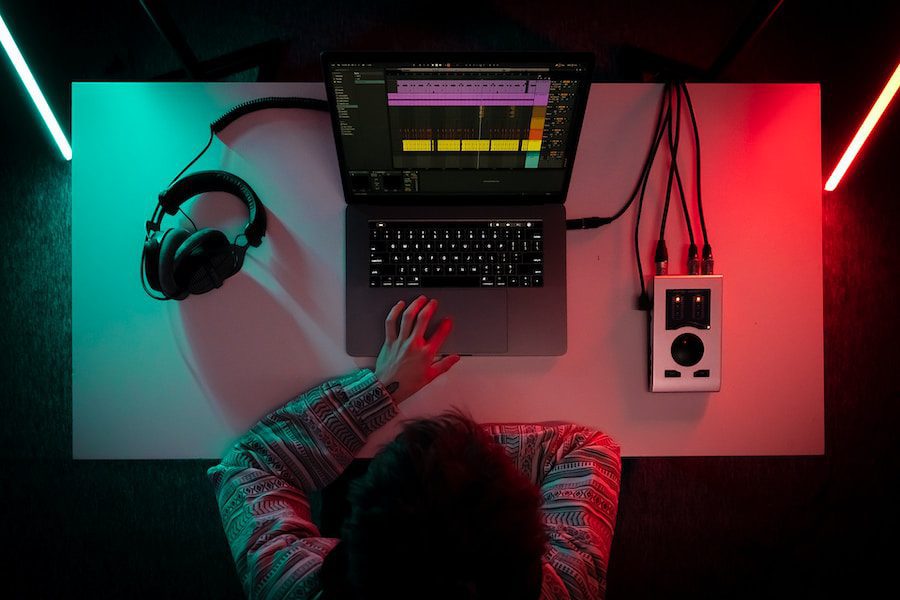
<point x="588" y="222"/>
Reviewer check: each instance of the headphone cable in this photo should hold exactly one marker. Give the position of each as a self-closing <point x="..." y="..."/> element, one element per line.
<point x="196" y="158"/>
<point x="188" y="218"/>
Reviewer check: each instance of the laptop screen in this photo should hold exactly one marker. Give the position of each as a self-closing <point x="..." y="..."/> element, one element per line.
<point x="429" y="126"/>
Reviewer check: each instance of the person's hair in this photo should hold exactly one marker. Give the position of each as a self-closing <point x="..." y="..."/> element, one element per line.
<point x="441" y="513"/>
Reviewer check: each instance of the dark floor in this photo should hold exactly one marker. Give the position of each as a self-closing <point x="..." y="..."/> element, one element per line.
<point x="704" y="527"/>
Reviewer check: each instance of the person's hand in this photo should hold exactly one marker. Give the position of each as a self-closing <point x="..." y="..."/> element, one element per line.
<point x="407" y="361"/>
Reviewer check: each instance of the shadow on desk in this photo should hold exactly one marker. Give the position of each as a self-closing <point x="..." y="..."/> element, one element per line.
<point x="667" y="407"/>
<point x="268" y="333"/>
<point x="303" y="275"/>
<point x="247" y="350"/>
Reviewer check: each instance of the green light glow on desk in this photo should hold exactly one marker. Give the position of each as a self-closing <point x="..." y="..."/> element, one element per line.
<point x="31" y="85"/>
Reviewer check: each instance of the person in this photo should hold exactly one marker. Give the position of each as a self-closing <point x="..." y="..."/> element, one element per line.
<point x="448" y="509"/>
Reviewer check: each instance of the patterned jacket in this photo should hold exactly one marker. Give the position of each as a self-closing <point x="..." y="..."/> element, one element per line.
<point x="263" y="481"/>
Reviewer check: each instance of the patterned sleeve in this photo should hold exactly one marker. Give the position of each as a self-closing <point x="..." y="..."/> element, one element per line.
<point x="262" y="483"/>
<point x="578" y="472"/>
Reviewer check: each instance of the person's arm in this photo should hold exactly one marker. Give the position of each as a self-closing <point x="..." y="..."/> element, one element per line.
<point x="262" y="483"/>
<point x="578" y="471"/>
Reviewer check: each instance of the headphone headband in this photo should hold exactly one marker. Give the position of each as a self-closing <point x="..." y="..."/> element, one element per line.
<point x="201" y="182"/>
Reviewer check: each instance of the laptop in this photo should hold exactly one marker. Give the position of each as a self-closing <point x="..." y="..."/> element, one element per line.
<point x="455" y="168"/>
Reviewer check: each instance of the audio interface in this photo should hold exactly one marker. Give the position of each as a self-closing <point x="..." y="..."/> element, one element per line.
<point x="686" y="333"/>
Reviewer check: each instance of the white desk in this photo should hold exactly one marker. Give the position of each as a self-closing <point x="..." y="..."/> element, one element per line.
<point x="182" y="380"/>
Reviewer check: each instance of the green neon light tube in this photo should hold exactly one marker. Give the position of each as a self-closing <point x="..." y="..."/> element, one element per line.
<point x="31" y="85"/>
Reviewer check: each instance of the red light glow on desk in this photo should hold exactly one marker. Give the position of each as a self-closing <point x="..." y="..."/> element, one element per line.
<point x="864" y="130"/>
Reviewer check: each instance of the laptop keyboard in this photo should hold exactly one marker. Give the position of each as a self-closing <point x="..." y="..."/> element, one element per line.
<point x="480" y="253"/>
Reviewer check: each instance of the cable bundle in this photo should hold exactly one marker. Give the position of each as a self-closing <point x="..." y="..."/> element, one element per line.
<point x="668" y="124"/>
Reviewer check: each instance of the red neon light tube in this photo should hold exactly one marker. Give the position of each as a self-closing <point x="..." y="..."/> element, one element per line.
<point x="864" y="130"/>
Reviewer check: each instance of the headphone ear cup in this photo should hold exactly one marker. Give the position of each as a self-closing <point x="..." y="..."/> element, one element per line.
<point x="151" y="261"/>
<point x="204" y="261"/>
<point x="168" y="285"/>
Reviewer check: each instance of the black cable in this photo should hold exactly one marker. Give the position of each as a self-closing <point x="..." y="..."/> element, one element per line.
<point x="188" y="218"/>
<point x="693" y="263"/>
<point x="661" y="258"/>
<point x="681" y="194"/>
<point x="684" y="206"/>
<point x="687" y="97"/>
<point x="244" y="108"/>
<point x="594" y="222"/>
<point x="266" y="103"/>
<point x="663" y="127"/>
<point x="706" y="267"/>
<point x="205" y="148"/>
<point x="673" y="151"/>
<point x="159" y="208"/>
<point x="644" y="299"/>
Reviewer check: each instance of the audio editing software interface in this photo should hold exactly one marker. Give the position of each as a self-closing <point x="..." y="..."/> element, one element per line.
<point x="432" y="128"/>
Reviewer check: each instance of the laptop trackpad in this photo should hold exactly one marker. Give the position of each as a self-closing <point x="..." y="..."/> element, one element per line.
<point x="479" y="320"/>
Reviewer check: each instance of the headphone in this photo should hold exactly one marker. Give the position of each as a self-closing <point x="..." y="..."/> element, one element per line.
<point x="177" y="262"/>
